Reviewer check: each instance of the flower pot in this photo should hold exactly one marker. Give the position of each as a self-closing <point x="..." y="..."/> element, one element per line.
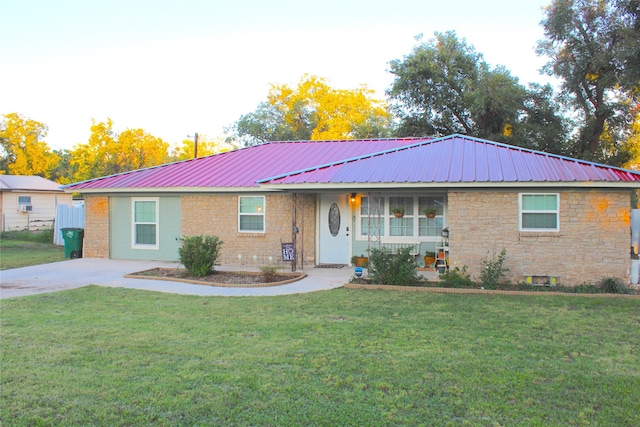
<point x="429" y="261"/>
<point x="398" y="215"/>
<point x="362" y="261"/>
<point x="430" y="215"/>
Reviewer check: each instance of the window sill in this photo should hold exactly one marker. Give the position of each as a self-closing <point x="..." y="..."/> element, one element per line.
<point x="251" y="235"/>
<point x="536" y="234"/>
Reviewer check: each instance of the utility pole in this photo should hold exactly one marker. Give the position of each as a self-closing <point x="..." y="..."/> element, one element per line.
<point x="195" y="146"/>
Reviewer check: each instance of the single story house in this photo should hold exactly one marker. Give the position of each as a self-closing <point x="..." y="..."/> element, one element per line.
<point x="555" y="216"/>
<point x="29" y="202"/>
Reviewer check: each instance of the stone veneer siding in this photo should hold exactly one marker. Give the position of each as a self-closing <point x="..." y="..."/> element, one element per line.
<point x="96" y="227"/>
<point x="593" y="241"/>
<point x="218" y="215"/>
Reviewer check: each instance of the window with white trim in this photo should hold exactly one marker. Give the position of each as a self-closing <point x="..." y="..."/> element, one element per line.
<point x="539" y="212"/>
<point x="401" y="225"/>
<point x="144" y="214"/>
<point x="251" y="214"/>
<point x="432" y="225"/>
<point x="371" y="210"/>
<point x="24" y="204"/>
<point x="412" y="222"/>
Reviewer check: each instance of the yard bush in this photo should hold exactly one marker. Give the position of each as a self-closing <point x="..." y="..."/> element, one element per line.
<point x="611" y="285"/>
<point x="389" y="268"/>
<point x="456" y="278"/>
<point x="199" y="254"/>
<point x="269" y="273"/>
<point x="493" y="270"/>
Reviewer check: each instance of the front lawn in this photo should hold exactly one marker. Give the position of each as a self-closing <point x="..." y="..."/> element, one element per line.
<point x="22" y="249"/>
<point x="109" y="356"/>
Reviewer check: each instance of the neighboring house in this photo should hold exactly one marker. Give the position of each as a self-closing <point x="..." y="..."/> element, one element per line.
<point x="554" y="215"/>
<point x="29" y="202"/>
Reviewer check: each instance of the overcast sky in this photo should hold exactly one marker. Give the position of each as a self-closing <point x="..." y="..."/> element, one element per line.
<point x="176" y="67"/>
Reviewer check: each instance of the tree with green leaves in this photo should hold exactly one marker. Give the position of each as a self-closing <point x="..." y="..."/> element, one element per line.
<point x="444" y="87"/>
<point x="22" y="147"/>
<point x="314" y="111"/>
<point x="594" y="49"/>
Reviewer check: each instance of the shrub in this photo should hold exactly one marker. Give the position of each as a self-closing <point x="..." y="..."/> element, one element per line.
<point x="269" y="273"/>
<point x="611" y="285"/>
<point x="44" y="236"/>
<point x="388" y="268"/>
<point x="199" y="254"/>
<point x="456" y="278"/>
<point x="584" y="288"/>
<point x="493" y="270"/>
<point x="41" y="236"/>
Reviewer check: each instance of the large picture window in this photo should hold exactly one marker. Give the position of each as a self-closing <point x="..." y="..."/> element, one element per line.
<point x="539" y="212"/>
<point x="401" y="216"/>
<point x="251" y="214"/>
<point x="145" y="223"/>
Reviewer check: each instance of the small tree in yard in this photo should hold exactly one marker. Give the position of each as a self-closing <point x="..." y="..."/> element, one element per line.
<point x="199" y="254"/>
<point x="390" y="268"/>
<point x="493" y="270"/>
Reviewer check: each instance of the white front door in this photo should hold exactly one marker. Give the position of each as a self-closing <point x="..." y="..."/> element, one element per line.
<point x="335" y="221"/>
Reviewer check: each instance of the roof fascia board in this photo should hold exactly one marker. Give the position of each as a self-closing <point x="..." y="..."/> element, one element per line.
<point x="28" y="190"/>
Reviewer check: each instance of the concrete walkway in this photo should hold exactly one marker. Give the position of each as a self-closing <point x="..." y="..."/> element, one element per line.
<point x="75" y="273"/>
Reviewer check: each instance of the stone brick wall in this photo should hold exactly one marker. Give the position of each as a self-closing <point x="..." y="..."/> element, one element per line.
<point x="96" y="227"/>
<point x="218" y="215"/>
<point x="593" y="241"/>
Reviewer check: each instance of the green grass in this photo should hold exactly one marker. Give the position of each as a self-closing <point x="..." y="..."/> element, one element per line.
<point x="22" y="253"/>
<point x="109" y="356"/>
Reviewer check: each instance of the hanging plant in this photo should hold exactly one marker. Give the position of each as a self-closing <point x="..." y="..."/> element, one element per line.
<point x="430" y="212"/>
<point x="398" y="212"/>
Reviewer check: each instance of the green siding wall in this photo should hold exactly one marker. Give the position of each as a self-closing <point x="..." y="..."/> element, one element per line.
<point x="169" y="230"/>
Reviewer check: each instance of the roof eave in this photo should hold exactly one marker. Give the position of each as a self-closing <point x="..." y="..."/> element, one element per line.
<point x="182" y="190"/>
<point x="440" y="185"/>
<point x="31" y="190"/>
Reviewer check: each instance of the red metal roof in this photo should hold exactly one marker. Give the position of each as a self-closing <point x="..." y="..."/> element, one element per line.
<point x="458" y="159"/>
<point x="242" y="167"/>
<point x="450" y="160"/>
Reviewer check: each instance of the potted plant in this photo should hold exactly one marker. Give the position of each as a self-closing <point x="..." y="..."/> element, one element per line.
<point x="430" y="212"/>
<point x="398" y="211"/>
<point x="429" y="259"/>
<point x="359" y="260"/>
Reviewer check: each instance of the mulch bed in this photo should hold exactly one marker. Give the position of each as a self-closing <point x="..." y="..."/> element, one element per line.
<point x="231" y="279"/>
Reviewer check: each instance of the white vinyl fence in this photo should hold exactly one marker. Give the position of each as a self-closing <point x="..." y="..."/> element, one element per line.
<point x="67" y="217"/>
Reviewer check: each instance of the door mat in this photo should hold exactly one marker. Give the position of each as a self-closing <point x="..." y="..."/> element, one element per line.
<point x="331" y="265"/>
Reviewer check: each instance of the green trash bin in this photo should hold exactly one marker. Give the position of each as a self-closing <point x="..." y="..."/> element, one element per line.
<point x="72" y="242"/>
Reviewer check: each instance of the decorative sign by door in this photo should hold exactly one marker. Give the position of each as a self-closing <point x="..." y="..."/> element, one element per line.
<point x="334" y="219"/>
<point x="288" y="252"/>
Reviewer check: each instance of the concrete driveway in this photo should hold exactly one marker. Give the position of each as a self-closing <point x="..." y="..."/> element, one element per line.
<point x="76" y="273"/>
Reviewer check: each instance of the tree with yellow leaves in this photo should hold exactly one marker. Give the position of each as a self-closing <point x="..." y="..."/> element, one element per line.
<point x="632" y="145"/>
<point x="206" y="147"/>
<point x="22" y="149"/>
<point x="314" y="110"/>
<point x="109" y="153"/>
